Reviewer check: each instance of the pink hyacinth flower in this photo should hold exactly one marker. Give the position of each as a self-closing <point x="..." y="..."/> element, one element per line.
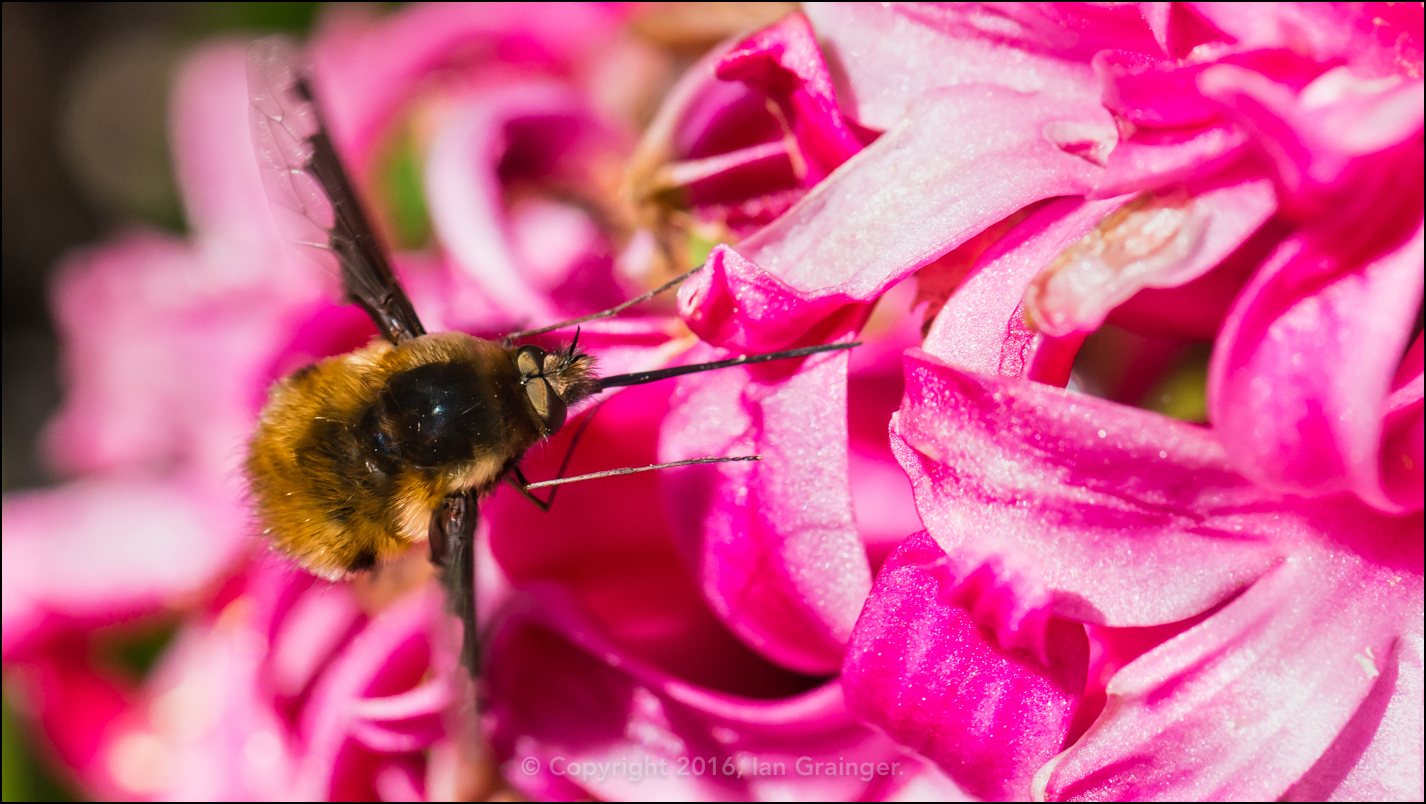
<point x="279" y="686"/>
<point x="967" y="649"/>
<point x="847" y="240"/>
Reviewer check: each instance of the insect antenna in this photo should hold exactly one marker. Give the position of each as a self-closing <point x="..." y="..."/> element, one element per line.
<point x="633" y="470"/>
<point x="612" y="311"/>
<point x="641" y="377"/>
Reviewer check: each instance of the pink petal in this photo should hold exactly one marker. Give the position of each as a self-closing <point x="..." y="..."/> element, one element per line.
<point x="1377" y="38"/>
<point x="784" y="62"/>
<point x="222" y="736"/>
<point x="1157" y="240"/>
<point x="466" y="197"/>
<point x="920" y="668"/>
<point x="1346" y="153"/>
<point x="982" y="327"/>
<point x="621" y="561"/>
<point x="371" y="693"/>
<point x="882" y="58"/>
<point x="775" y="542"/>
<point x="1178" y="28"/>
<point x="1401" y="444"/>
<point x="1150" y="92"/>
<point x="366" y="71"/>
<point x="964" y="158"/>
<point x="99" y="551"/>
<point x="1146" y="161"/>
<point x="1057" y="483"/>
<point x="1378" y="756"/>
<point x="1195" y="310"/>
<point x="568" y="706"/>
<point x="1245" y="703"/>
<point x="1303" y="366"/>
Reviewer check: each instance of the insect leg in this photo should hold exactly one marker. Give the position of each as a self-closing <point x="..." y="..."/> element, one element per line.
<point x="452" y="538"/>
<point x="516" y="480"/>
<point x="522" y="485"/>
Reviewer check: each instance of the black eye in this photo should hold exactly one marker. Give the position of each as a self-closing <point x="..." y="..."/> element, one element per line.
<point x="548" y="404"/>
<point x="530" y="361"/>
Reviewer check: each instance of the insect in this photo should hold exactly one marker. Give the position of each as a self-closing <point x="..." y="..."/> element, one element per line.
<point x="361" y="456"/>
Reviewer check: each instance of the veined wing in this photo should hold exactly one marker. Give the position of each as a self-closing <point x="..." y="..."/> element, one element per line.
<point x="312" y="195"/>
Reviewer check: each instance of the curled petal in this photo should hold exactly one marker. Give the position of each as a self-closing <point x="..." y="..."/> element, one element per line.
<point x="390" y="656"/>
<point x="921" y="668"/>
<point x="467" y="203"/>
<point x="884" y="57"/>
<point x="1144" y="163"/>
<point x="1299" y="380"/>
<point x="366" y="71"/>
<point x="783" y="61"/>
<point x="1158" y="240"/>
<point x="576" y="716"/>
<point x="964" y="158"/>
<point x="775" y="542"/>
<point x="1385" y="41"/>
<point x="1245" y="703"/>
<point x="982" y="327"/>
<point x="1346" y="154"/>
<point x="1059" y="482"/>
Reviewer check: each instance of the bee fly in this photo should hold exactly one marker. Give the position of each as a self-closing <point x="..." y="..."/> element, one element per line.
<point x="360" y="456"/>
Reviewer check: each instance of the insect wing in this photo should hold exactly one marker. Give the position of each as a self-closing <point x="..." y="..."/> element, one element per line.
<point x="313" y="199"/>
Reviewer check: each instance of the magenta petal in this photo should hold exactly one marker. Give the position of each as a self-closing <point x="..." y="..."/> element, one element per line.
<point x="1151" y="92"/>
<point x="1378" y="39"/>
<point x="366" y="71"/>
<point x="883" y="57"/>
<point x="920" y="668"/>
<point x="1243" y="704"/>
<point x="775" y="542"/>
<point x="964" y="158"/>
<point x="568" y="707"/>
<point x="784" y="62"/>
<point x="1378" y="756"/>
<point x="1303" y="366"/>
<point x="102" y="550"/>
<point x="1402" y="462"/>
<point x="467" y="201"/>
<point x="371" y="692"/>
<point x="1059" y="482"/>
<point x="1161" y="240"/>
<point x="1149" y="161"/>
<point x="982" y="327"/>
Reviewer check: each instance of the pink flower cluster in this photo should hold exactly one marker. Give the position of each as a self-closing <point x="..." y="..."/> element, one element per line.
<point x="1071" y="598"/>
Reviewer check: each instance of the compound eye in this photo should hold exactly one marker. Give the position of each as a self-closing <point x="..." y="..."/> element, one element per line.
<point x="530" y="361"/>
<point x="548" y="405"/>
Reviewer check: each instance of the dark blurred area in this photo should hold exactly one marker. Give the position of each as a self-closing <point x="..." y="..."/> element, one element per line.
<point x="85" y="155"/>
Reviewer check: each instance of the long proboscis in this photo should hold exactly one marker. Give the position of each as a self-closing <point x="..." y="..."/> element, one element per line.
<point x="641" y="377"/>
<point x="631" y="470"/>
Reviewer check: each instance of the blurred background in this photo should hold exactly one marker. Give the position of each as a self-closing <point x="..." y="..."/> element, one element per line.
<point x="85" y="155"/>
